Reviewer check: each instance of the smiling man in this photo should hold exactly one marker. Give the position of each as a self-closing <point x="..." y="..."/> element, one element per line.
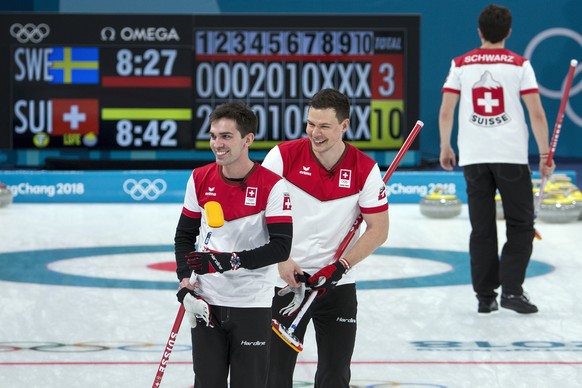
<point x="228" y="281"/>
<point x="331" y="182"/>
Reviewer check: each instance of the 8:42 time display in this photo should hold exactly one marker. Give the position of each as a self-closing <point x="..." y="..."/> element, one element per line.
<point x="147" y="134"/>
<point x="155" y="133"/>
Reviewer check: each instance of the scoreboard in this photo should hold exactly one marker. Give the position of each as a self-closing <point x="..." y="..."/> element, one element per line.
<point x="145" y="82"/>
<point x="97" y="81"/>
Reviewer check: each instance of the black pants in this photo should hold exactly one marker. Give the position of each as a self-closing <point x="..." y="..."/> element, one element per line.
<point x="488" y="269"/>
<point x="334" y="321"/>
<point x="240" y="341"/>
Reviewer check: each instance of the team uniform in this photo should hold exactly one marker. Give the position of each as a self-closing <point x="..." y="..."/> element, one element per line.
<point x="493" y="150"/>
<point x="257" y="213"/>
<point x="325" y="205"/>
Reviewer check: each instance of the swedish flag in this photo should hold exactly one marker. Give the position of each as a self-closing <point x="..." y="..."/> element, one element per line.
<point x="74" y="65"/>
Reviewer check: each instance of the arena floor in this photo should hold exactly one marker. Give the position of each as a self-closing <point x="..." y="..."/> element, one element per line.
<point x="87" y="300"/>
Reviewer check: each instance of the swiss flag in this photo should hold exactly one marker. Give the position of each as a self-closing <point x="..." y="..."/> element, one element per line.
<point x="287" y="203"/>
<point x="346" y="174"/>
<point x="488" y="102"/>
<point x="80" y="116"/>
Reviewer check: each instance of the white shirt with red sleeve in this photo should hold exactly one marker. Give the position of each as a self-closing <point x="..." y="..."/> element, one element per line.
<point x="492" y="126"/>
<point x="248" y="208"/>
<point x="326" y="203"/>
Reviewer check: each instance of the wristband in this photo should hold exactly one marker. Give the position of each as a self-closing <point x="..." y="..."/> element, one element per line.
<point x="234" y="261"/>
<point x="345" y="263"/>
<point x="544" y="156"/>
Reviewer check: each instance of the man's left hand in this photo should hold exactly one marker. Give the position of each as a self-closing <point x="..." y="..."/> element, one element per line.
<point x="327" y="278"/>
<point x="209" y="262"/>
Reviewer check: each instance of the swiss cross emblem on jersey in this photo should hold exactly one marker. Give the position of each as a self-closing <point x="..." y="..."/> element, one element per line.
<point x="488" y="102"/>
<point x="251" y="196"/>
<point x="345" y="178"/>
<point x="286" y="202"/>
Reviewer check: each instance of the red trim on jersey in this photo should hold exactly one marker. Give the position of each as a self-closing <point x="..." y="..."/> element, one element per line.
<point x="245" y="198"/>
<point x="489" y="57"/>
<point x="528" y="91"/>
<point x="373" y="210"/>
<point x="481" y="56"/>
<point x="280" y="220"/>
<point x="302" y="169"/>
<point x="449" y="90"/>
<point x="191" y="214"/>
<point x="236" y="182"/>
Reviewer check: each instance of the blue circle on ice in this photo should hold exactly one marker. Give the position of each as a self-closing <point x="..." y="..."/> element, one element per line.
<point x="460" y="273"/>
<point x="32" y="267"/>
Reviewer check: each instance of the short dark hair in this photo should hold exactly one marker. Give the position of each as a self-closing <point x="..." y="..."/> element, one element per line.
<point x="246" y="120"/>
<point x="332" y="99"/>
<point x="495" y="23"/>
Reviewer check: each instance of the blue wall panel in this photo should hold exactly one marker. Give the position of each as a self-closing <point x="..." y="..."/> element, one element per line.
<point x="170" y="186"/>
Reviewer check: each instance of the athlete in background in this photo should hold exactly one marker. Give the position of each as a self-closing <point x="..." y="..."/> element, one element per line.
<point x="331" y="183"/>
<point x="493" y="150"/>
<point x="233" y="263"/>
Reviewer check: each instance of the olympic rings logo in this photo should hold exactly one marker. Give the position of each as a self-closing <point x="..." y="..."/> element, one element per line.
<point x="29" y="32"/>
<point x="557" y="94"/>
<point x="145" y="188"/>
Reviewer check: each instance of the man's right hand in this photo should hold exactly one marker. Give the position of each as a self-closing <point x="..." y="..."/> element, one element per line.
<point x="196" y="307"/>
<point x="185" y="283"/>
<point x="298" y="295"/>
<point x="296" y="302"/>
<point x="546" y="171"/>
<point x="288" y="271"/>
<point x="447" y="158"/>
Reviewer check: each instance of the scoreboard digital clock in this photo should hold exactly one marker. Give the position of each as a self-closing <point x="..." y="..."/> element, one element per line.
<point x="121" y="82"/>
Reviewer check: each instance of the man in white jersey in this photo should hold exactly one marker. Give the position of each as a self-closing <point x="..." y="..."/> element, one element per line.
<point x="331" y="183"/>
<point x="493" y="150"/>
<point x="234" y="263"/>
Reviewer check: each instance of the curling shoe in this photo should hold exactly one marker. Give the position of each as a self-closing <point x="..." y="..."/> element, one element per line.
<point x="518" y="303"/>
<point x="487" y="306"/>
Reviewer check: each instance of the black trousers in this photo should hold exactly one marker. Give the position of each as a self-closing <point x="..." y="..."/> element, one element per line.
<point x="334" y="321"/>
<point x="239" y="341"/>
<point x="489" y="270"/>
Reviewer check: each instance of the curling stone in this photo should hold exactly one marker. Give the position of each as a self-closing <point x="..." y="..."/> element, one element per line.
<point x="576" y="198"/>
<point x="561" y="178"/>
<point x="558" y="211"/>
<point x="564" y="186"/>
<point x="551" y="187"/>
<point x="550" y="191"/>
<point x="5" y="195"/>
<point x="499" y="208"/>
<point x="438" y="205"/>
